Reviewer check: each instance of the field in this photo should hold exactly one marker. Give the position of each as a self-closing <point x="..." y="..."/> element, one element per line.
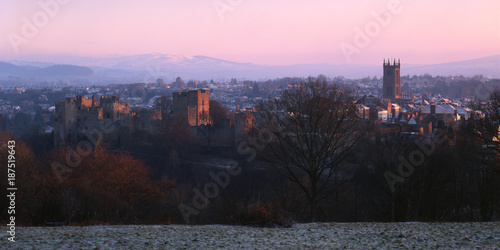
<point x="314" y="235"/>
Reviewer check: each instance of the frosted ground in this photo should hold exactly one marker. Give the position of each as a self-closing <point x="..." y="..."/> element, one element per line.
<point x="315" y="235"/>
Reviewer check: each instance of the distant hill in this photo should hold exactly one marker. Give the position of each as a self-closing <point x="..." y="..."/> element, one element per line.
<point x="63" y="70"/>
<point x="148" y="67"/>
<point x="486" y="66"/>
<point x="9" y="69"/>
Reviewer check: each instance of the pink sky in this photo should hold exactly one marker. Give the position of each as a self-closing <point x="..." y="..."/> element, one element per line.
<point x="257" y="31"/>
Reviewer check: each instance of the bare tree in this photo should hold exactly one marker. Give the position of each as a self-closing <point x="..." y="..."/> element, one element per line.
<point x="487" y="129"/>
<point x="484" y="132"/>
<point x="314" y="127"/>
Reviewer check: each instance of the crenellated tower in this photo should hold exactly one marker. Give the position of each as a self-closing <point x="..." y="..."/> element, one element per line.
<point x="392" y="80"/>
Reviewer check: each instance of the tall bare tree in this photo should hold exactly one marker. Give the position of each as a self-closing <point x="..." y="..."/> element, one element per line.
<point x="314" y="127"/>
<point x="484" y="133"/>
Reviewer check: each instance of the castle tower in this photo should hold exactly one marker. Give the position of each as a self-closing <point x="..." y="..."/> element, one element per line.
<point x="392" y="80"/>
<point x="194" y="104"/>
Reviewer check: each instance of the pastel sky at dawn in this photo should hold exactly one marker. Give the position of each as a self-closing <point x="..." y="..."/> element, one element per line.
<point x="272" y="32"/>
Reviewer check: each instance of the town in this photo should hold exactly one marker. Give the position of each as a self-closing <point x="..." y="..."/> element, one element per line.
<point x="22" y="106"/>
<point x="174" y="136"/>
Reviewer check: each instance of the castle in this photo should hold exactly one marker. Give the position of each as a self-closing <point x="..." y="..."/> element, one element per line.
<point x="76" y="116"/>
<point x="83" y="118"/>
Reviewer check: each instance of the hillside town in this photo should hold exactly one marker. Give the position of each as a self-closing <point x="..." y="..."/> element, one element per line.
<point x="21" y="106"/>
<point x="186" y="142"/>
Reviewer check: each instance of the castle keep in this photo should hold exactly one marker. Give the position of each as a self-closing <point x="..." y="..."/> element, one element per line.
<point x="194" y="105"/>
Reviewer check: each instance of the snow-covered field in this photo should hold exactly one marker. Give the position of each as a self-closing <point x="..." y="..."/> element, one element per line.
<point x="315" y="235"/>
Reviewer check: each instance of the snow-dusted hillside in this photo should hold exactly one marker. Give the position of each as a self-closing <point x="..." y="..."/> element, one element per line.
<point x="138" y="62"/>
<point x="151" y="66"/>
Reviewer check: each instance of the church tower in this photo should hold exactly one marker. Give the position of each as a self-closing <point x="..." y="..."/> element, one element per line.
<point x="392" y="80"/>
